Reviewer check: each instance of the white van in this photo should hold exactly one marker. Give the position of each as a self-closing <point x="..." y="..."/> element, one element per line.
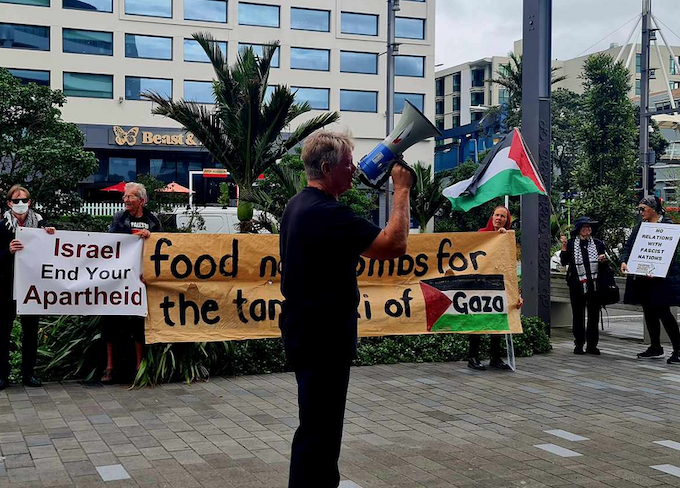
<point x="218" y="220"/>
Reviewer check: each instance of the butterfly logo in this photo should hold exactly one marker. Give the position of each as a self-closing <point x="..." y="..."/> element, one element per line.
<point x="123" y="137"/>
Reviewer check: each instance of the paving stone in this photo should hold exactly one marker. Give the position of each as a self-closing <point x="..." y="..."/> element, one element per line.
<point x="113" y="472"/>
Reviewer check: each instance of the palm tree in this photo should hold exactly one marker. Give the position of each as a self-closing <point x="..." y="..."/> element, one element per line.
<point x="243" y="130"/>
<point x="426" y="196"/>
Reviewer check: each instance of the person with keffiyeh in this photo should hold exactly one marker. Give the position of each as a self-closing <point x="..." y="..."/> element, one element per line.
<point x="582" y="254"/>
<point x="19" y="215"/>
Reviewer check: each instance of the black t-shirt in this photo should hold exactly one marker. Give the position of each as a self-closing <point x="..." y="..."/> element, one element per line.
<point x="321" y="241"/>
<point x="138" y="224"/>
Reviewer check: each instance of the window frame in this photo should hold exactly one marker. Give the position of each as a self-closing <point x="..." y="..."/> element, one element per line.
<point x="328" y="12"/>
<point x="49" y="37"/>
<point x="250" y="44"/>
<point x="171" y="16"/>
<point x="377" y="24"/>
<point x="63" y="43"/>
<point x="377" y="64"/>
<point x="278" y="7"/>
<point x="396" y="23"/>
<point x="394" y="102"/>
<point x="63" y="79"/>
<point x="422" y="58"/>
<point x="225" y="52"/>
<point x="294" y="90"/>
<point x="327" y="51"/>
<point x="87" y="10"/>
<point x="226" y="13"/>
<point x="49" y="74"/>
<point x="184" y="89"/>
<point x="146" y="78"/>
<point x="172" y="49"/>
<point x="375" y="92"/>
<point x="18" y="2"/>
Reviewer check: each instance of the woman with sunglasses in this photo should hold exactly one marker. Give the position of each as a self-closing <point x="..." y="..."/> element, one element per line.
<point x="656" y="295"/>
<point x="19" y="215"/>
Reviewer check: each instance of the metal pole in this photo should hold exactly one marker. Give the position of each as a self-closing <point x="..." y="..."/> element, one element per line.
<point x="392" y="50"/>
<point x="644" y="96"/>
<point x="535" y="213"/>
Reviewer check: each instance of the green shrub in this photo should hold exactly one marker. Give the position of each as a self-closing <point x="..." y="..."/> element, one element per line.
<point x="83" y="222"/>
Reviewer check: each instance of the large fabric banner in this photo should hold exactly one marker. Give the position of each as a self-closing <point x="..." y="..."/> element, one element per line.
<point x="78" y="273"/>
<point x="227" y="287"/>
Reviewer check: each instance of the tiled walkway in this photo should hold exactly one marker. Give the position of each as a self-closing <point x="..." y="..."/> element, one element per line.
<point x="561" y="420"/>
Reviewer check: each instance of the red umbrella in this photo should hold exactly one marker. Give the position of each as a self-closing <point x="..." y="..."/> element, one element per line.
<point x="118" y="187"/>
<point x="174" y="188"/>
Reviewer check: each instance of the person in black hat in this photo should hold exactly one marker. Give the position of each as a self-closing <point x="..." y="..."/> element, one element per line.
<point x="582" y="254"/>
<point x="656" y="295"/>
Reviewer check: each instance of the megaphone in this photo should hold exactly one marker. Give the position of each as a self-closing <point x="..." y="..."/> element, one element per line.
<point x="375" y="167"/>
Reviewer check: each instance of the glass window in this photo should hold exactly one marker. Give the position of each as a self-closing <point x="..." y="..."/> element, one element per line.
<point x="478" y="78"/>
<point x="673" y="66"/>
<point x="408" y="28"/>
<point x="19" y="36"/>
<point x="260" y="15"/>
<point x="353" y="62"/>
<point x="309" y="19"/>
<point x="439" y="123"/>
<point x="638" y="62"/>
<point x="38" y="3"/>
<point x="88" y="42"/>
<point x="503" y="95"/>
<point x="456" y="121"/>
<point x="456" y="103"/>
<point x="638" y="88"/>
<point x="31" y="76"/>
<point x="415" y="98"/>
<point x="477" y="116"/>
<point x="149" y="47"/>
<point x="360" y="24"/>
<point x="358" y="101"/>
<point x="456" y="82"/>
<point x="409" y="66"/>
<point x="165" y="171"/>
<point x="151" y="8"/>
<point x="268" y="92"/>
<point x="439" y="87"/>
<point x="316" y="97"/>
<point x="93" y="5"/>
<point x="208" y="10"/>
<point x="258" y="50"/>
<point x="314" y="59"/>
<point x="122" y="169"/>
<point x="439" y="107"/>
<point x="135" y="86"/>
<point x="199" y="91"/>
<point x="88" y="85"/>
<point x="194" y="52"/>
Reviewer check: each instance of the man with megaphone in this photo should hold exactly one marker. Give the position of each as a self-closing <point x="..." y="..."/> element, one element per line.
<point x="321" y="242"/>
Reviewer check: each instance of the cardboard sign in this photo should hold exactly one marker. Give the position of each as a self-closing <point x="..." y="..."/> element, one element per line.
<point x="653" y="249"/>
<point x="227" y="287"/>
<point x="78" y="273"/>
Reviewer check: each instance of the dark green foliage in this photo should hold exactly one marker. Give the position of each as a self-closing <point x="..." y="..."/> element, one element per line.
<point x="426" y="197"/>
<point x="38" y="149"/>
<point x="567" y="117"/>
<point x="83" y="222"/>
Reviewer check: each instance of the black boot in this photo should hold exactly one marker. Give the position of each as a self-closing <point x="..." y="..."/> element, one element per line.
<point x="498" y="363"/>
<point x="32" y="381"/>
<point x="475" y="364"/>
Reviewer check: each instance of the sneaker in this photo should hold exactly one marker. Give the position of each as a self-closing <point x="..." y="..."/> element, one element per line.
<point x="651" y="353"/>
<point x="475" y="364"/>
<point x="593" y="350"/>
<point x="497" y="363"/>
<point x="674" y="359"/>
<point x="579" y="350"/>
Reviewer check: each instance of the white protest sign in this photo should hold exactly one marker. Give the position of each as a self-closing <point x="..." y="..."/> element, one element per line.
<point x="79" y="273"/>
<point x="653" y="249"/>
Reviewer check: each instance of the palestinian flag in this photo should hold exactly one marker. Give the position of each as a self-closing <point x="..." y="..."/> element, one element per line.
<point x="507" y="170"/>
<point x="466" y="303"/>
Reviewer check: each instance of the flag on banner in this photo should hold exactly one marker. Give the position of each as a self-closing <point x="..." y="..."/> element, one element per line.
<point x="507" y="170"/>
<point x="466" y="303"/>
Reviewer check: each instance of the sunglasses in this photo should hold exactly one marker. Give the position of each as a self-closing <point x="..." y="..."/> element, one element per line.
<point x="642" y="209"/>
<point x="20" y="200"/>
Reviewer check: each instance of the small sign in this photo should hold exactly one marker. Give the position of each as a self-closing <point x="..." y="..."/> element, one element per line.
<point x="215" y="173"/>
<point x="654" y="249"/>
<point x="136" y="136"/>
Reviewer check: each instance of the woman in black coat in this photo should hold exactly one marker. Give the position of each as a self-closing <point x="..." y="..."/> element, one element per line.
<point x="582" y="254"/>
<point x="656" y="295"/>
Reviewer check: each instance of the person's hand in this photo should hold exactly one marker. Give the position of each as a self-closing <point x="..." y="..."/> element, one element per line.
<point x="502" y="230"/>
<point x="50" y="230"/>
<point x="602" y="258"/>
<point x="624" y="268"/>
<point x="563" y="240"/>
<point x="144" y="233"/>
<point x="15" y="245"/>
<point x="401" y="177"/>
<point x="520" y="302"/>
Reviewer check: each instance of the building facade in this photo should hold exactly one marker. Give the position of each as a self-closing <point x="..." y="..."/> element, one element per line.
<point x="105" y="53"/>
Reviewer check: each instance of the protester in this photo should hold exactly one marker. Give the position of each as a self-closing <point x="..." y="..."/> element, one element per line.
<point x="19" y="215"/>
<point x="499" y="221"/>
<point x="583" y="267"/>
<point x="656" y="295"/>
<point x="135" y="219"/>
<point x="321" y="242"/>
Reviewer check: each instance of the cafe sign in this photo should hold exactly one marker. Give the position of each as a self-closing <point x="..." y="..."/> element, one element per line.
<point x="143" y="137"/>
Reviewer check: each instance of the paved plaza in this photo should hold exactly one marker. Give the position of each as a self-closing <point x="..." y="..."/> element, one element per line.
<point x="560" y="420"/>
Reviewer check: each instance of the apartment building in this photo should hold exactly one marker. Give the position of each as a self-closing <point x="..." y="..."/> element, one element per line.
<point x="104" y="53"/>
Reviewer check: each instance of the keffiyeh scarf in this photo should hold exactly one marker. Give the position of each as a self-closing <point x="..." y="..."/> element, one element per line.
<point x="580" y="266"/>
<point x="33" y="220"/>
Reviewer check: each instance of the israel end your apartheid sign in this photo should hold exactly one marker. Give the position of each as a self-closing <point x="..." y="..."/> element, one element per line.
<point x="78" y="273"/>
<point x="227" y="287"/>
<point x="653" y="249"/>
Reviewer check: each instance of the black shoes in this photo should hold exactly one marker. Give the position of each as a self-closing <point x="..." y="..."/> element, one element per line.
<point x="498" y="363"/>
<point x="651" y="353"/>
<point x="3" y="383"/>
<point x="32" y="382"/>
<point x="475" y="364"/>
<point x="593" y="350"/>
<point x="579" y="349"/>
<point x="674" y="359"/>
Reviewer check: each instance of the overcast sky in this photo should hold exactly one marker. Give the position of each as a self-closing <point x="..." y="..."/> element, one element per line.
<point x="467" y="30"/>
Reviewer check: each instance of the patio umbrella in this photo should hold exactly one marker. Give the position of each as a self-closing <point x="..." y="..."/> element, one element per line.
<point x="118" y="187"/>
<point x="175" y="188"/>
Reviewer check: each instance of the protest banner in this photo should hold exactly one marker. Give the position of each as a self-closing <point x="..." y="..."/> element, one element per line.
<point x="653" y="249"/>
<point x="78" y="273"/>
<point x="227" y="287"/>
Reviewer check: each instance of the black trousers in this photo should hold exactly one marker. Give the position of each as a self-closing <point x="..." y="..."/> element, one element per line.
<point x="494" y="346"/>
<point x="581" y="302"/>
<point x="29" y="350"/>
<point x="322" y="393"/>
<point x="655" y="314"/>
